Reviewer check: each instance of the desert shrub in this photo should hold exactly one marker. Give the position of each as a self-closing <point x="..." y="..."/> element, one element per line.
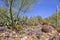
<point x="58" y="29"/>
<point x="19" y="27"/>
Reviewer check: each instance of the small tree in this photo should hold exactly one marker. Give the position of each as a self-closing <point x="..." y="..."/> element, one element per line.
<point x="21" y="5"/>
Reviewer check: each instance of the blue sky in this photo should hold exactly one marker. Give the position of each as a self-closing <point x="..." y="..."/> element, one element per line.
<point x="44" y="8"/>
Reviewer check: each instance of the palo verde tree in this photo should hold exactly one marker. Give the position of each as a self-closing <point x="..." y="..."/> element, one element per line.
<point x="20" y="6"/>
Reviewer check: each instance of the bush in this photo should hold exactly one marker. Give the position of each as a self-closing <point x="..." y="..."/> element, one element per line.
<point x="58" y="29"/>
<point x="19" y="27"/>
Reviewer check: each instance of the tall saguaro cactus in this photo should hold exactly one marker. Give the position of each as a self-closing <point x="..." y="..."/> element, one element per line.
<point x="57" y="15"/>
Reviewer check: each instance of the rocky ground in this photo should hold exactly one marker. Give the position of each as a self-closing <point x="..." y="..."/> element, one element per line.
<point x="36" y="33"/>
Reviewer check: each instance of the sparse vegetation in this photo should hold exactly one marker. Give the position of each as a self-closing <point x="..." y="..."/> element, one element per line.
<point x="15" y="24"/>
